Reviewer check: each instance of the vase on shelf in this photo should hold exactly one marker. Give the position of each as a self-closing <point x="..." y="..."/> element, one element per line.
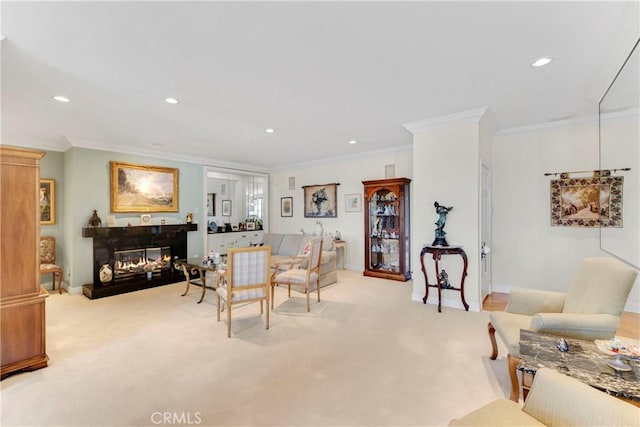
<point x="149" y="275"/>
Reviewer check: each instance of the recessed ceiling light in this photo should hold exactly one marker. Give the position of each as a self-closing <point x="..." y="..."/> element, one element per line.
<point x="541" y="62"/>
<point x="353" y="141"/>
<point x="171" y="100"/>
<point x="269" y="130"/>
<point x="156" y="145"/>
<point x="61" y="98"/>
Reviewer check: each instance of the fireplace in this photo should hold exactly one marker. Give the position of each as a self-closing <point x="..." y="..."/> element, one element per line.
<point x="130" y="252"/>
<point x="130" y="262"/>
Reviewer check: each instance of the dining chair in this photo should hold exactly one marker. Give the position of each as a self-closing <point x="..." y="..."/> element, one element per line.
<point x="302" y="272"/>
<point x="246" y="280"/>
<point x="48" y="260"/>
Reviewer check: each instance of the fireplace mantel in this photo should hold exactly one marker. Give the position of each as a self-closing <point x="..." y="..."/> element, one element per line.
<point x="109" y="240"/>
<point x="107" y="232"/>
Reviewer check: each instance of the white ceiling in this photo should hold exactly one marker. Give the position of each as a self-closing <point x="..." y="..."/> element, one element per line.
<point x="319" y="73"/>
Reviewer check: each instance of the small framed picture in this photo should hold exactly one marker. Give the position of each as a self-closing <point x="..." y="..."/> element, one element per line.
<point x="286" y="206"/>
<point x="352" y="202"/>
<point x="226" y="208"/>
<point x="47" y="201"/>
<point x="250" y="225"/>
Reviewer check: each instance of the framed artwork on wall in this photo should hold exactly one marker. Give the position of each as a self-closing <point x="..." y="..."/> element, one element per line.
<point x="47" y="201"/>
<point x="142" y="188"/>
<point x="226" y="208"/>
<point x="587" y="202"/>
<point x="320" y="201"/>
<point x="353" y="202"/>
<point x="286" y="206"/>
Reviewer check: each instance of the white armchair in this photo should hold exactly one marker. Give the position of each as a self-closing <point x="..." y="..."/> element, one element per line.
<point x="589" y="310"/>
<point x="555" y="400"/>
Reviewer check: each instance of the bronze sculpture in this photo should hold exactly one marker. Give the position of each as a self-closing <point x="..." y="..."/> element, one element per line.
<point x="442" y="212"/>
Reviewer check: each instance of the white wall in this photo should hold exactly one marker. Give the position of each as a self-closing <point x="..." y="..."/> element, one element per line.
<point x="349" y="172"/>
<point x="527" y="250"/>
<point x="446" y="170"/>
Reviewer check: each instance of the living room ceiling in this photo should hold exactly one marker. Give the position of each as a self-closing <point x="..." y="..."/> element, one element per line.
<point x="319" y="73"/>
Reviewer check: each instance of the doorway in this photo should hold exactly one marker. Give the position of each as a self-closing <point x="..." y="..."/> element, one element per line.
<point x="485" y="231"/>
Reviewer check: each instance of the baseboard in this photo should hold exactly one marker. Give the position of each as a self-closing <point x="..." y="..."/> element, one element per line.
<point x="447" y="301"/>
<point x="71" y="291"/>
<point x="501" y="289"/>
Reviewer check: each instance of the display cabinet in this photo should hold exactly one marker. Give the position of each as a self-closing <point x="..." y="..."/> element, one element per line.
<point x="386" y="229"/>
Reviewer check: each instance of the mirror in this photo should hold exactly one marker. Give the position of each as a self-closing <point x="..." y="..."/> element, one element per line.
<point x="239" y="199"/>
<point x="620" y="148"/>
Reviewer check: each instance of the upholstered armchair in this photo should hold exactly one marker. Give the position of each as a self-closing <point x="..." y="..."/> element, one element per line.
<point x="589" y="310"/>
<point x="555" y="400"/>
<point x="303" y="273"/>
<point x="247" y="280"/>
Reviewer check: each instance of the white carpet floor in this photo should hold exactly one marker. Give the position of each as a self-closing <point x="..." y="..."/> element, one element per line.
<point x="366" y="355"/>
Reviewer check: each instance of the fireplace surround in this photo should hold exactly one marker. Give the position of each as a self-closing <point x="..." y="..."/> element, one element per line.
<point x="127" y="250"/>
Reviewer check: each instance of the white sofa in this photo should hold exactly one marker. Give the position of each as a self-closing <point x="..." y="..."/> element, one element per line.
<point x="285" y="246"/>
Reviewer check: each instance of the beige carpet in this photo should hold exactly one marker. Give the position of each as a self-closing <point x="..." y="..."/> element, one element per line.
<point x="366" y="355"/>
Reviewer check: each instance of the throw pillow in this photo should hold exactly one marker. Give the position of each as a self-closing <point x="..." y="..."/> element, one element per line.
<point x="307" y="249"/>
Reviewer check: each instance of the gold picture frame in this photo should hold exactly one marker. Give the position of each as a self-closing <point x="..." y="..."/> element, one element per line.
<point x="47" y="201"/>
<point x="143" y="188"/>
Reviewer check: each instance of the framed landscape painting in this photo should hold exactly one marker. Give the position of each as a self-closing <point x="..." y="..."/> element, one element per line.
<point x="141" y="188"/>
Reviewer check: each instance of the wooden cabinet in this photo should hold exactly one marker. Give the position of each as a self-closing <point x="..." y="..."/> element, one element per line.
<point x="386" y="229"/>
<point x="22" y="299"/>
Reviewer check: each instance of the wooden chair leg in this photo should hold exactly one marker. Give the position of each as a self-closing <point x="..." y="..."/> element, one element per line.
<point x="318" y="289"/>
<point x="267" y="313"/>
<point x="273" y="286"/>
<point x="229" y="321"/>
<point x="218" y="306"/>
<point x="513" y="376"/>
<point x="494" y="345"/>
<point x="308" y="299"/>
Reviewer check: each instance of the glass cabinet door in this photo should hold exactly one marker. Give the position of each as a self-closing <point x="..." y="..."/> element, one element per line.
<point x="384" y="233"/>
<point x="386" y="229"/>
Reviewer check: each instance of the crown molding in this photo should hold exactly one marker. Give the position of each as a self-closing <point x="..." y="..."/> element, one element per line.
<point x="592" y="118"/>
<point x="475" y="114"/>
<point x="333" y="160"/>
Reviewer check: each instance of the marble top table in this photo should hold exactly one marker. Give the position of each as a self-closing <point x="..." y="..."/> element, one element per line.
<point x="584" y="362"/>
